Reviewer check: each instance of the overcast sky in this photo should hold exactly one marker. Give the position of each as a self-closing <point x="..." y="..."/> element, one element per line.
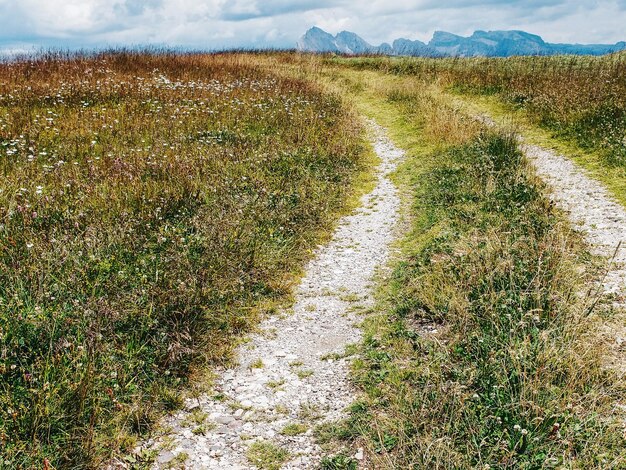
<point x="215" y="24"/>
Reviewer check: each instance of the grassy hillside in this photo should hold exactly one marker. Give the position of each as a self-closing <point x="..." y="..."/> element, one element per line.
<point x="583" y="98"/>
<point x="575" y="104"/>
<point x="151" y="206"/>
<point x="483" y="353"/>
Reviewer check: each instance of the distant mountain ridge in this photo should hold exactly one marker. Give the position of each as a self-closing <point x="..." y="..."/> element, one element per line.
<point x="443" y="44"/>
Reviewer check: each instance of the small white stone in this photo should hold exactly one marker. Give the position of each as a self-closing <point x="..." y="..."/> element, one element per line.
<point x="224" y="419"/>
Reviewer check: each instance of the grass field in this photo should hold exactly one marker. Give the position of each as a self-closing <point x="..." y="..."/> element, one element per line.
<point x="482" y="353"/>
<point x="581" y="98"/>
<point x="575" y="104"/>
<point x="155" y="206"/>
<point x="152" y="206"/>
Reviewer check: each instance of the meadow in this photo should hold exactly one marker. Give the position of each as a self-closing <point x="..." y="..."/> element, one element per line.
<point x="153" y="207"/>
<point x="485" y="349"/>
<point x="580" y="98"/>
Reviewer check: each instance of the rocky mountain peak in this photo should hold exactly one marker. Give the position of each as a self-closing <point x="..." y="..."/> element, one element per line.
<point x="445" y="44"/>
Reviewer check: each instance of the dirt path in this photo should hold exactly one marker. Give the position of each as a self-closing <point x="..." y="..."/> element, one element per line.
<point x="293" y="372"/>
<point x="591" y="209"/>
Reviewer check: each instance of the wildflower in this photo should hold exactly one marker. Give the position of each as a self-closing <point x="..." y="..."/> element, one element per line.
<point x="29" y="245"/>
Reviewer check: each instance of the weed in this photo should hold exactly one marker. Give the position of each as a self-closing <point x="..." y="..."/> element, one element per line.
<point x="339" y="462"/>
<point x="274" y="384"/>
<point x="294" y="429"/>
<point x="350" y="350"/>
<point x="201" y="430"/>
<point x="257" y="364"/>
<point x="195" y="417"/>
<point x="309" y="412"/>
<point x="266" y="455"/>
<point x="304" y="373"/>
<point x="178" y="461"/>
<point x="350" y="297"/>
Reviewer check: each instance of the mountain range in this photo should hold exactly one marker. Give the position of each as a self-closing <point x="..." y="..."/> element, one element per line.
<point x="443" y="44"/>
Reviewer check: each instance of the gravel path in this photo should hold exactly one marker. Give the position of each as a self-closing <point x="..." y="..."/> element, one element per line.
<point x="591" y="208"/>
<point x="293" y="372"/>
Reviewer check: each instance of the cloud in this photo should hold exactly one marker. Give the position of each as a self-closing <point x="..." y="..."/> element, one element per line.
<point x="241" y="10"/>
<point x="527" y="4"/>
<point x="213" y="24"/>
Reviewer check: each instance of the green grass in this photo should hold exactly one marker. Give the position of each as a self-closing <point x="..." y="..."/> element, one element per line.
<point x="304" y="373"/>
<point x="152" y="208"/>
<point x="339" y="462"/>
<point x="267" y="456"/>
<point x="294" y="429"/>
<point x="514" y="376"/>
<point x="613" y="177"/>
<point x="257" y="364"/>
<point x="574" y="104"/>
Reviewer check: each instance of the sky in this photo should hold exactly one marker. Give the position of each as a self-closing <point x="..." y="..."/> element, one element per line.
<point x="219" y="24"/>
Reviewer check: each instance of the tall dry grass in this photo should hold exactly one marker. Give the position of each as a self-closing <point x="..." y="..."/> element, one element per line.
<point x="151" y="204"/>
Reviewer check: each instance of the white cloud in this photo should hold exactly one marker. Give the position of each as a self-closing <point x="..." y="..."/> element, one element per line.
<point x="68" y="18"/>
<point x="246" y="23"/>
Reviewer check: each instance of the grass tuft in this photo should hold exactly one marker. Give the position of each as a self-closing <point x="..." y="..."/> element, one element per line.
<point x="294" y="429"/>
<point x="267" y="456"/>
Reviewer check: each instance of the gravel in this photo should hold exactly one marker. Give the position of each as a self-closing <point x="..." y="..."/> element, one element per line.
<point x="304" y="376"/>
